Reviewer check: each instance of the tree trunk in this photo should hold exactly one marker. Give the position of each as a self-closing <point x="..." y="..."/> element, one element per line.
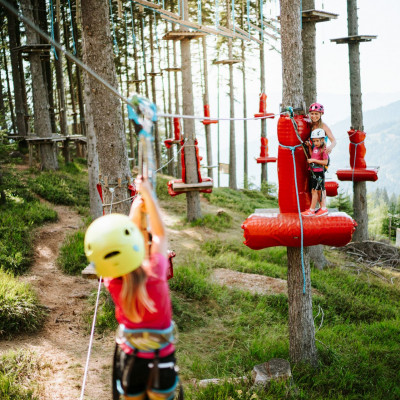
<point x="310" y="96"/>
<point x="232" y="138"/>
<point x="154" y="94"/>
<point x="40" y="13"/>
<point x="301" y="324"/>
<point x="42" y="121"/>
<point x="144" y="53"/>
<point x="170" y="151"/>
<point x="359" y="188"/>
<point x="245" y="143"/>
<point x="264" y="169"/>
<point x="62" y="109"/>
<point x="177" y="109"/>
<point x="105" y="107"/>
<point x="309" y="57"/>
<point x="9" y="95"/>
<point x="192" y="198"/>
<point x="13" y="34"/>
<point x="3" y="123"/>
<point x="206" y="101"/>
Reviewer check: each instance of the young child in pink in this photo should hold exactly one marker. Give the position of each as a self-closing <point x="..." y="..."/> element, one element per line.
<point x="144" y="361"/>
<point x="317" y="162"/>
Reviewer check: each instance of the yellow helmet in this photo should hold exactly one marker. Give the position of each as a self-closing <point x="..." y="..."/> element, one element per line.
<point x="114" y="244"/>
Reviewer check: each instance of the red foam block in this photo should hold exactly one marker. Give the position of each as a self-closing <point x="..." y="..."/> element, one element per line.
<point x="331" y="188"/>
<point x="357" y="174"/>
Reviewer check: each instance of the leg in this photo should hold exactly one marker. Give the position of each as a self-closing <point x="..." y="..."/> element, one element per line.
<point x="314" y="199"/>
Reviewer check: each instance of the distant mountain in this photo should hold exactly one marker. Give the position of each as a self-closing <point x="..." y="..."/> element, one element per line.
<point x="382" y="127"/>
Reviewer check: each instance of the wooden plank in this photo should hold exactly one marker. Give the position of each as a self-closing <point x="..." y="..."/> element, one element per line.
<point x="354" y="38"/>
<point x="317" y="16"/>
<point x="89" y="272"/>
<point x="227" y="61"/>
<point x="169" y="13"/>
<point x="265" y="33"/>
<point x="148" y="4"/>
<point x="191" y="187"/>
<point x="181" y="35"/>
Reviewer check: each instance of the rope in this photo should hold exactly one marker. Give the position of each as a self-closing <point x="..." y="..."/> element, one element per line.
<point x="233" y="15"/>
<point x="248" y="17"/>
<point x="52" y="28"/>
<point x="172" y="159"/>
<point x="113" y="28"/>
<point x="216" y="14"/>
<point x="72" y="27"/>
<point x="199" y="20"/>
<point x="91" y="340"/>
<point x="292" y="149"/>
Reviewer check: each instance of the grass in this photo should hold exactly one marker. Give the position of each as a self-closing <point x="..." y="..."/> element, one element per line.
<point x="71" y="258"/>
<point x="20" y="310"/>
<point x="21" y="212"/>
<point x="17" y="372"/>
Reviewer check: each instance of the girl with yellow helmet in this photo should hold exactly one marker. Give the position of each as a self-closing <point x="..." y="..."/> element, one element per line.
<point x="144" y="361"/>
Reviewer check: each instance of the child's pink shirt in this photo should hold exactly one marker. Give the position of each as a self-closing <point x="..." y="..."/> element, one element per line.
<point x="318" y="155"/>
<point x="158" y="291"/>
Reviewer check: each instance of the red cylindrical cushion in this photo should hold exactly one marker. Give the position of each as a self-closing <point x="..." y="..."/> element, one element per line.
<point x="269" y="230"/>
<point x="357" y="151"/>
<point x="331" y="188"/>
<point x="357" y="175"/>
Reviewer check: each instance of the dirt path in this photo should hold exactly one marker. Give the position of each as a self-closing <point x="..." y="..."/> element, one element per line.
<point x="62" y="344"/>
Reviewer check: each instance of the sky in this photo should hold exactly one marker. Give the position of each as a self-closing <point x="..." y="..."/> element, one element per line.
<point x="380" y="82"/>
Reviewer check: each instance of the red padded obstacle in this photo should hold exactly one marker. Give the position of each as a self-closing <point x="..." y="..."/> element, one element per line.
<point x="358" y="174"/>
<point x="269" y="230"/>
<point x="288" y="228"/>
<point x="180" y="186"/>
<point x="263" y="108"/>
<point x="207" y="114"/>
<point x="358" y="171"/>
<point x="177" y="134"/>
<point x="331" y="188"/>
<point x="287" y="189"/>
<point x="264" y="158"/>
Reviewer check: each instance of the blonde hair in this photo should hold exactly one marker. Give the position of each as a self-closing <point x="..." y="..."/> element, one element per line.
<point x="134" y="297"/>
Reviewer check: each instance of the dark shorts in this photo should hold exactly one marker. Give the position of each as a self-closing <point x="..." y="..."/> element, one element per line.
<point x="318" y="180"/>
<point x="139" y="376"/>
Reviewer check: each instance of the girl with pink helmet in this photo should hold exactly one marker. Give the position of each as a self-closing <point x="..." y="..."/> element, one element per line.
<point x="316" y="111"/>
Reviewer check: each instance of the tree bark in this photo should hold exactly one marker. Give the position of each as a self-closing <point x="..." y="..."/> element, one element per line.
<point x="359" y="188"/>
<point x="264" y="168"/>
<point x="232" y="138"/>
<point x="154" y="95"/>
<point x="301" y="324"/>
<point x="20" y="109"/>
<point x="170" y="151"/>
<point x="206" y="101"/>
<point x="192" y="198"/>
<point x="177" y="109"/>
<point x="245" y="142"/>
<point x="105" y="107"/>
<point x="42" y="121"/>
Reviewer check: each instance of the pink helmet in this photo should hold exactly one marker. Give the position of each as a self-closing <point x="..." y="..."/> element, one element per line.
<point x="316" y="107"/>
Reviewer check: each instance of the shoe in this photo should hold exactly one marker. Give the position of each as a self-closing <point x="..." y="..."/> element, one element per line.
<point x="308" y="213"/>
<point x="321" y="212"/>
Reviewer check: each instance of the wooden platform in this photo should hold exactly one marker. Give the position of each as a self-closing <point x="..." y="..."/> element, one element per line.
<point x="183" y="35"/>
<point x="172" y="69"/>
<point x="191" y="187"/>
<point x="227" y="61"/>
<point x="317" y="16"/>
<point x="154" y="73"/>
<point x="354" y="39"/>
<point x="50" y="139"/>
<point x="33" y="48"/>
<point x="89" y="272"/>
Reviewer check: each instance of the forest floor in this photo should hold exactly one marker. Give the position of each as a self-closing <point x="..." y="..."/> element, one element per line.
<point x="62" y="344"/>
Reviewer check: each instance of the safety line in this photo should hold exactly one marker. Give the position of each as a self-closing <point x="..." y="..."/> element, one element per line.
<point x="72" y="27"/>
<point x="173" y="158"/>
<point x="52" y="27"/>
<point x="91" y="340"/>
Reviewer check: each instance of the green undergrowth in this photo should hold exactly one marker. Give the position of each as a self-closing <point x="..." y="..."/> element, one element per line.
<point x="71" y="258"/>
<point x="20" y="310"/>
<point x="225" y="332"/>
<point x="19" y="214"/>
<point x="67" y="186"/>
<point x="17" y="373"/>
